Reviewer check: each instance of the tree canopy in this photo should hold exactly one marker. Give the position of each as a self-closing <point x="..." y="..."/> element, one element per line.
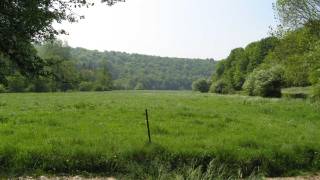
<point x="296" y="13"/>
<point x="296" y="56"/>
<point x="23" y="22"/>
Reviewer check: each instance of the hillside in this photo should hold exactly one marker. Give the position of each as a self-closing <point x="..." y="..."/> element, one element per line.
<point x="74" y="69"/>
<point x="264" y="67"/>
<point x="136" y="71"/>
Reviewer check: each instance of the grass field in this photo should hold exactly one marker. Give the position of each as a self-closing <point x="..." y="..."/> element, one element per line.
<point x="194" y="135"/>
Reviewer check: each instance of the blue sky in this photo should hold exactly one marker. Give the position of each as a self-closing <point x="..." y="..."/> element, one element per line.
<point x="179" y="28"/>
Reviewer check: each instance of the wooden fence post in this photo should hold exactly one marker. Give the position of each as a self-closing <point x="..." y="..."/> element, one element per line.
<point x="147" y="120"/>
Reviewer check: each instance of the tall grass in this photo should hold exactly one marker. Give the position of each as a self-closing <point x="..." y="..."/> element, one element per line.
<point x="194" y="135"/>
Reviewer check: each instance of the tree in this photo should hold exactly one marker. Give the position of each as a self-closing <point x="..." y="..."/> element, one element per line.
<point x="86" y="86"/>
<point x="2" y="88"/>
<point x="40" y="84"/>
<point x="201" y="85"/>
<point x="23" y="22"/>
<point x="221" y="87"/>
<point x="264" y="82"/>
<point x="296" y="13"/>
<point x="17" y="83"/>
<point x="104" y="77"/>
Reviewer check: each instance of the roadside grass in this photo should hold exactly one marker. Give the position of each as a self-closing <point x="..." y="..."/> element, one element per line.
<point x="193" y="134"/>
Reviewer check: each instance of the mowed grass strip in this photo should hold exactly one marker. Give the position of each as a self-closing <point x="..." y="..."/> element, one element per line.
<point x="105" y="133"/>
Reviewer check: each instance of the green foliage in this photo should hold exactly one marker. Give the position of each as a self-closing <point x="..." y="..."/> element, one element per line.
<point x="103" y="134"/>
<point x="315" y="76"/>
<point x="2" y="88"/>
<point x="86" y="86"/>
<point x="316" y="91"/>
<point x="69" y="74"/>
<point x="71" y="67"/>
<point x="242" y="62"/>
<point x="221" y="87"/>
<point x="25" y="22"/>
<point x="40" y="84"/>
<point x="296" y="13"/>
<point x="201" y="85"/>
<point x="139" y="86"/>
<point x="297" y="52"/>
<point x="17" y="83"/>
<point x="265" y="83"/>
<point x="129" y="71"/>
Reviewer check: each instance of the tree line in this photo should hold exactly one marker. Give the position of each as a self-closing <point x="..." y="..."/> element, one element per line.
<point x="144" y="72"/>
<point x="78" y="69"/>
<point x="288" y="58"/>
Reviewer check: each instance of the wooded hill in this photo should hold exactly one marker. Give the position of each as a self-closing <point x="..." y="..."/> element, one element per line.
<point x="72" y="69"/>
<point x="136" y="71"/>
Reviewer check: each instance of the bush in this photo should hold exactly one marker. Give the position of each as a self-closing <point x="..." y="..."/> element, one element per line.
<point x="221" y="87"/>
<point x="17" y="83"/>
<point x="85" y="86"/>
<point x="2" y="88"/>
<point x="40" y="85"/>
<point x="139" y="86"/>
<point x="201" y="85"/>
<point x="314" y="76"/>
<point x="248" y="85"/>
<point x="264" y="83"/>
<point x="98" y="88"/>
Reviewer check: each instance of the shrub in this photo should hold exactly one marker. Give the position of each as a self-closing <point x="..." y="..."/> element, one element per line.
<point x="264" y="82"/>
<point x="139" y="86"/>
<point x="201" y="85"/>
<point x="98" y="87"/>
<point x="85" y="86"/>
<point x="314" y="76"/>
<point x="2" y="88"/>
<point x="17" y="83"/>
<point x="221" y="87"/>
<point x="40" y="85"/>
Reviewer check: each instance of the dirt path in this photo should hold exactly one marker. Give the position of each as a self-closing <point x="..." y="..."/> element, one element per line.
<point x="66" y="178"/>
<point x="312" y="177"/>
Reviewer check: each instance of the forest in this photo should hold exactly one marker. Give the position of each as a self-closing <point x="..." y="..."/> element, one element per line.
<point x="289" y="58"/>
<point x="78" y="69"/>
<point x="143" y="72"/>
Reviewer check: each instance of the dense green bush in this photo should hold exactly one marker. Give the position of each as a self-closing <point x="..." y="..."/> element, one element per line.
<point x="2" y="88"/>
<point x="17" y="83"/>
<point x="315" y="76"/>
<point x="201" y="85"/>
<point x="85" y="86"/>
<point x="264" y="82"/>
<point x="40" y="85"/>
<point x="221" y="87"/>
<point x="99" y="87"/>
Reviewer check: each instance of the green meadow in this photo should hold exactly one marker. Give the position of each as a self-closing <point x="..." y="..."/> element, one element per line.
<point x="193" y="135"/>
